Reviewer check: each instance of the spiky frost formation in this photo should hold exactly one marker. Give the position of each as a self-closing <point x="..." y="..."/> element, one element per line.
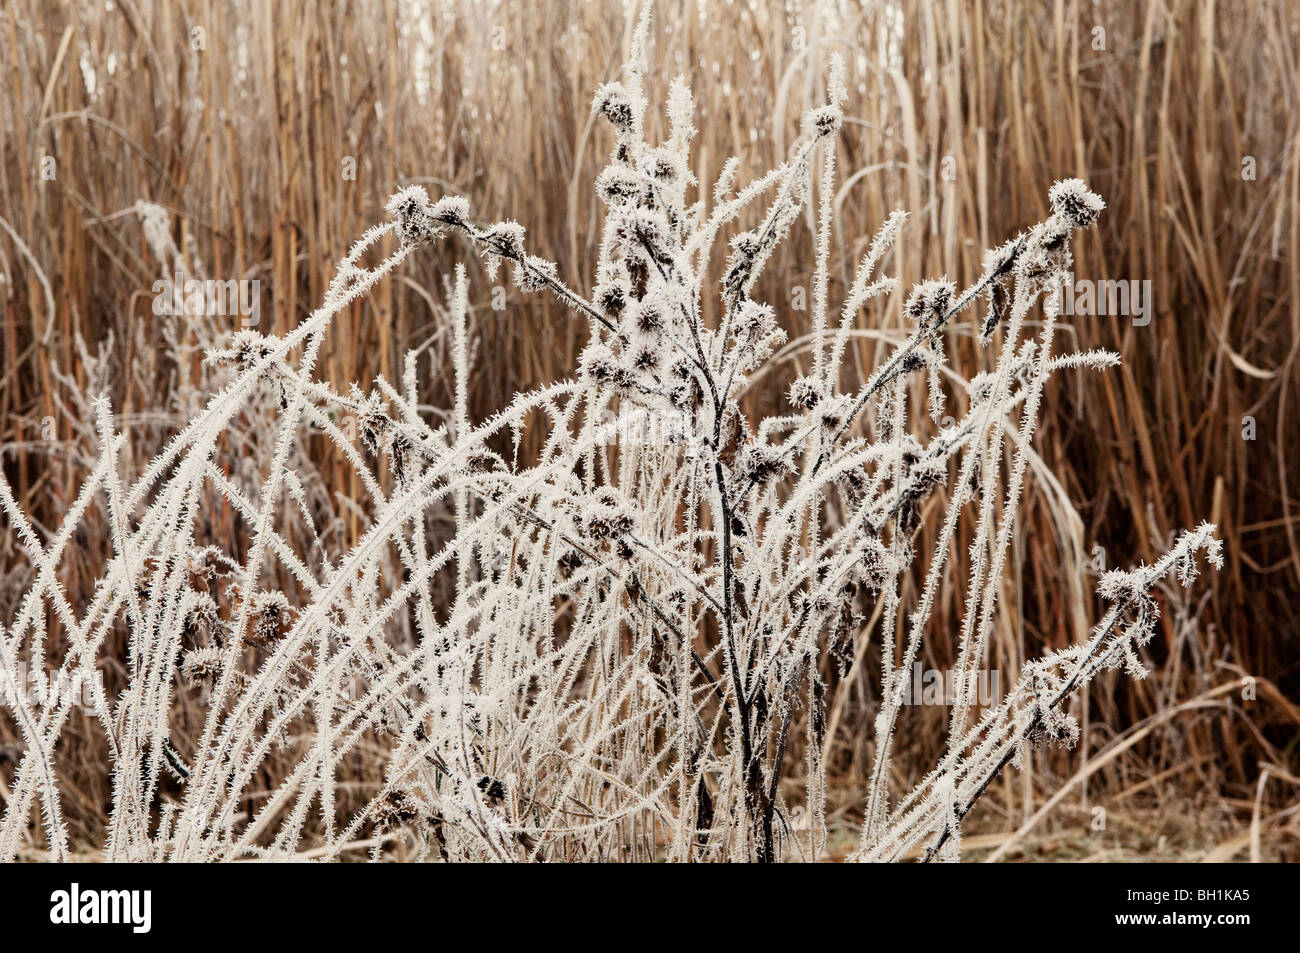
<point x="617" y="106"/>
<point x="1075" y="202"/>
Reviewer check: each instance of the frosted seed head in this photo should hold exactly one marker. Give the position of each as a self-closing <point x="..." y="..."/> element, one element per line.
<point x="679" y="395"/>
<point x="411" y="198"/>
<point x="1046" y="250"/>
<point x="506" y="240"/>
<point x="396" y="809"/>
<point x="612" y="297"/>
<point x="929" y="473"/>
<point x="272" y="616"/>
<point x="203" y="621"/>
<point x="981" y="387"/>
<point x="246" y="349"/>
<point x="606" y="516"/>
<point x="853" y="484"/>
<point x="1054" y="727"/>
<point x="912" y="361"/>
<point x="648" y="318"/>
<point x="805" y="393"/>
<point x="202" y="666"/>
<point x="928" y="304"/>
<point x="646" y="358"/>
<point x="410" y="209"/>
<point x="744" y="246"/>
<point x="642" y="230"/>
<point x="614" y="102"/>
<point x="617" y="184"/>
<point x="765" y="464"/>
<point x="664" y="165"/>
<point x="451" y="210"/>
<point x="824" y="120"/>
<point x="757" y="334"/>
<point x="874" y="564"/>
<point x="570" y="561"/>
<point x="754" y="321"/>
<point x="372" y="422"/>
<point x="597" y="363"/>
<point x="833" y="414"/>
<point x="1119" y="585"/>
<point x="1075" y="202"/>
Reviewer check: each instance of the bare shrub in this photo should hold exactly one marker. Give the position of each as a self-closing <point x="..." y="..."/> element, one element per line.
<point x="608" y="655"/>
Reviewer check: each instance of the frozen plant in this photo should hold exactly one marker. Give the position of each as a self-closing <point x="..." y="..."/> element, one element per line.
<point x="607" y="656"/>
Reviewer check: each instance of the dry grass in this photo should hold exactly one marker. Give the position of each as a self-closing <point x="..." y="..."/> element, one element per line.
<point x="247" y="151"/>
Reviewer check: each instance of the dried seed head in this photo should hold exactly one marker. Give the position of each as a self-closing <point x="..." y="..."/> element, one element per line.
<point x="912" y="361"/>
<point x="1054" y="727"/>
<point x="1075" y="202"/>
<point x="665" y="165"/>
<point x="617" y="184"/>
<point x="614" y="102"/>
<point x="824" y="120"/>
<point x="874" y="564"/>
<point x="764" y="464"/>
<point x="612" y="297"/>
<point x="805" y="393"/>
<point x="744" y="246"/>
<point x="1119" y="585"/>
<point x="833" y="413"/>
<point x="410" y="209"/>
<point x="273" y="616"/>
<point x="247" y="349"/>
<point x="853" y="484"/>
<point x="981" y="387"/>
<point x="505" y="240"/>
<point x="203" y="624"/>
<point x="929" y="473"/>
<point x="754" y="322"/>
<point x="642" y="230"/>
<point x="398" y="808"/>
<point x="597" y="363"/>
<point x="929" y="303"/>
<point x="606" y="516"/>
<point x="646" y="358"/>
<point x="202" y="666"/>
<point x="451" y="210"/>
<point x="648" y="319"/>
<point x="372" y="422"/>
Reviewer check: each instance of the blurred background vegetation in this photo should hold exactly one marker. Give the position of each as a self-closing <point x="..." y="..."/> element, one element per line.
<point x="273" y="132"/>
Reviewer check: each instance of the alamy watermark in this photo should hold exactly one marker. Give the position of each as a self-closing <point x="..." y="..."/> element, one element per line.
<point x="1109" y="296"/>
<point x="63" y="689"/>
<point x="184" y="295"/>
<point x="932" y="686"/>
<point x="75" y="906"/>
